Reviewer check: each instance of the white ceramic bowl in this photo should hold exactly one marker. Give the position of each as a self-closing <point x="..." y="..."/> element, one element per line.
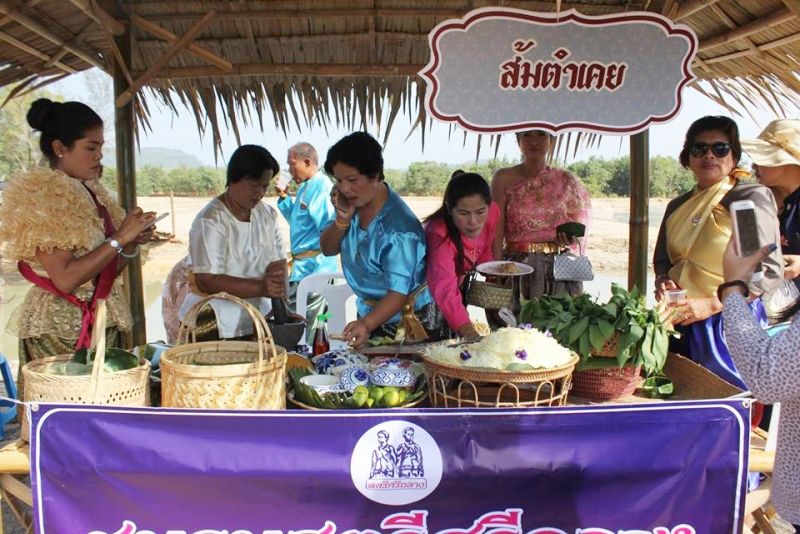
<point x="322" y="383"/>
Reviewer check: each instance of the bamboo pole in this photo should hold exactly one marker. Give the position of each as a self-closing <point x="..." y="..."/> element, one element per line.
<point x="760" y="48"/>
<point x="88" y="56"/>
<point x="193" y="48"/>
<point x="32" y="51"/>
<point x="126" y="175"/>
<point x="161" y="62"/>
<point x="305" y="14"/>
<point x="691" y="7"/>
<point x="781" y="16"/>
<point x="100" y="16"/>
<point x="793" y="5"/>
<point x="294" y="69"/>
<point x="639" y="218"/>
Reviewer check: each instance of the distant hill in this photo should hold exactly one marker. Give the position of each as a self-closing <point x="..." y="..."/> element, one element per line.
<point x="158" y="157"/>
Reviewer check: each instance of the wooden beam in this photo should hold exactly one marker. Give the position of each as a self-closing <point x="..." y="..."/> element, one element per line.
<point x="88" y="56"/>
<point x="100" y="16"/>
<point x="302" y="39"/>
<point x="194" y="48"/>
<point x="779" y="17"/>
<point x="639" y="206"/>
<point x="692" y="6"/>
<point x="32" y="51"/>
<point x="305" y="14"/>
<point x="760" y="48"/>
<point x="345" y="70"/>
<point x="161" y="62"/>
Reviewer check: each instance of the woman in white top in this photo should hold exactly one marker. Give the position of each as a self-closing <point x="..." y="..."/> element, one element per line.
<point x="235" y="246"/>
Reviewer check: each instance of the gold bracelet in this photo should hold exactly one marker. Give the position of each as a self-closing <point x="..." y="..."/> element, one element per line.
<point x="341" y="226"/>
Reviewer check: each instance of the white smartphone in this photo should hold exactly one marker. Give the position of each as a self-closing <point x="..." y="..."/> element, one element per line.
<point x="745" y="232"/>
<point x="162" y="216"/>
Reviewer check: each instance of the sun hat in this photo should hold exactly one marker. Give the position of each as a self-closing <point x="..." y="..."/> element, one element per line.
<point x="778" y="144"/>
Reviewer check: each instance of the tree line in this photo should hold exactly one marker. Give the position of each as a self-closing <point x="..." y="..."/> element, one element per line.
<point x="602" y="177"/>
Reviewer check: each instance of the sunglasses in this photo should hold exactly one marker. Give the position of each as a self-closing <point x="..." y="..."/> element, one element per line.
<point x="719" y="150"/>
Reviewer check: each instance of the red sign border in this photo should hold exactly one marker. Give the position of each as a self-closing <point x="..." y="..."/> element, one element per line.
<point x="432" y="82"/>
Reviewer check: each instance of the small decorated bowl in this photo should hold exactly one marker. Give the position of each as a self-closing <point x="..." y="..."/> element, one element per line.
<point x="334" y="361"/>
<point x="392" y="374"/>
<point x="380" y="361"/>
<point x="353" y="376"/>
<point x="322" y="383"/>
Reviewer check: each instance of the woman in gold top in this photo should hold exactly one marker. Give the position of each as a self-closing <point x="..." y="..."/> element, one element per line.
<point x="70" y="238"/>
<point x="693" y="236"/>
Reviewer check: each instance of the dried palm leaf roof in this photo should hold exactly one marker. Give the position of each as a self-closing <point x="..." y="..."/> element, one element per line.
<point x="347" y="63"/>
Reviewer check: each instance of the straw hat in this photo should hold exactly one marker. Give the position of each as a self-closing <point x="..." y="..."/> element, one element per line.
<point x="778" y="144"/>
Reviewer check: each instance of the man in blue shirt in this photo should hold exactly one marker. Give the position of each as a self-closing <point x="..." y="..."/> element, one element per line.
<point x="308" y="214"/>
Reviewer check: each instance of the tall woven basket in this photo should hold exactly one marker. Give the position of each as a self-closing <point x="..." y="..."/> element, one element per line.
<point x="120" y="388"/>
<point x="224" y="375"/>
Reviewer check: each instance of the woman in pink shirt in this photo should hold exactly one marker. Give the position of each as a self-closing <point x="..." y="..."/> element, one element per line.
<point x="459" y="236"/>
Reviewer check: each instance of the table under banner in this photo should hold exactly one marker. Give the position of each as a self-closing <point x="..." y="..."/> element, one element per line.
<point x="666" y="468"/>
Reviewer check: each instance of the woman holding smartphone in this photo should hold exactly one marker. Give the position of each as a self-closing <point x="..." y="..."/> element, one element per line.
<point x="694" y="233"/>
<point x="382" y="247"/>
<point x="71" y="239"/>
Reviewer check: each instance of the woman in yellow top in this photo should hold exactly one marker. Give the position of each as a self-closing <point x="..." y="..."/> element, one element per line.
<point x="694" y="233"/>
<point x="70" y="238"/>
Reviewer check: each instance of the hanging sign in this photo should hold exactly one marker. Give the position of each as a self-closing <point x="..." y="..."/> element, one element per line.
<point x="507" y="70"/>
<point x="667" y="468"/>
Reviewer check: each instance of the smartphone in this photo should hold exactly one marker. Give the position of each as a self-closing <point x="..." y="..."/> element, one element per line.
<point x="163" y="215"/>
<point x="745" y="232"/>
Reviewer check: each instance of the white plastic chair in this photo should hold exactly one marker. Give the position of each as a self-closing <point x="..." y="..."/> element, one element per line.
<point x="339" y="295"/>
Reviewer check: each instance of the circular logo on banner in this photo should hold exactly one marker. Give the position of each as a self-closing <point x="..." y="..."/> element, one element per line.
<point x="396" y="463"/>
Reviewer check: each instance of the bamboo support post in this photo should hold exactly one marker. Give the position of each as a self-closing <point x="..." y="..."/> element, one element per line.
<point x="295" y="69"/>
<point x="100" y="16"/>
<point x="639" y="218"/>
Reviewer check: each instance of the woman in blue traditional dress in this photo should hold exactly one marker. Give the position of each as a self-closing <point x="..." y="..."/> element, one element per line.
<point x="382" y="246"/>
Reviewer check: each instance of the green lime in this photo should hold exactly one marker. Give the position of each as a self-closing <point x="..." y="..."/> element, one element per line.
<point x="376" y="394"/>
<point x="360" y="396"/>
<point x="391" y="398"/>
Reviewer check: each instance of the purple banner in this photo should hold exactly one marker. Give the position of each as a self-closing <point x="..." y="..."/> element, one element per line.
<point x="669" y="468"/>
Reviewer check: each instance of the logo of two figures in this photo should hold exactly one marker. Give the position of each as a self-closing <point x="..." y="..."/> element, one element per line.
<point x="405" y="461"/>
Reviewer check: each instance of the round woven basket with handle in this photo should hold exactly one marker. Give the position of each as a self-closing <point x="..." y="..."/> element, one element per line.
<point x="224" y="375"/>
<point x="489" y="296"/>
<point x="129" y="387"/>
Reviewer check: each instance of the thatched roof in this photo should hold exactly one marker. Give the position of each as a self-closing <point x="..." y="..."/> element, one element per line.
<point x="350" y="62"/>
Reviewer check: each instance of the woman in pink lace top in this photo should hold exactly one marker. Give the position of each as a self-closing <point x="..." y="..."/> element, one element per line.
<point x="534" y="199"/>
<point x="459" y="236"/>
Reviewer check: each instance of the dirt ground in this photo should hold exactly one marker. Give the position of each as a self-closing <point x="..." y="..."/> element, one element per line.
<point x="608" y="233"/>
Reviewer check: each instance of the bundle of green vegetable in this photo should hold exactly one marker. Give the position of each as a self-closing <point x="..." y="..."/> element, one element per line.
<point x="82" y="360"/>
<point x="362" y="397"/>
<point x="584" y="325"/>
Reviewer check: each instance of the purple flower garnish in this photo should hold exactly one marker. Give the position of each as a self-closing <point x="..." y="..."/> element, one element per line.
<point x="526" y="326"/>
<point x="465" y="355"/>
<point x="522" y="354"/>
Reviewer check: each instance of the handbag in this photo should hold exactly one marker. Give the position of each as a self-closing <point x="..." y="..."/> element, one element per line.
<point x="484" y="294"/>
<point x="568" y="267"/>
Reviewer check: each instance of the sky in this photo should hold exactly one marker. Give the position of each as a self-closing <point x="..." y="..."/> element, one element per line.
<point x="180" y="132"/>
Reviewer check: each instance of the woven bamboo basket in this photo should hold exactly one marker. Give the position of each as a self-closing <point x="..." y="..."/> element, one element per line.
<point x="489" y="296"/>
<point x="606" y="384"/>
<point x="459" y="387"/>
<point x="224" y="375"/>
<point x="120" y="388"/>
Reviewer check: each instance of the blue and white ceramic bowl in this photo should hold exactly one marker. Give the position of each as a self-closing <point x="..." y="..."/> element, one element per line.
<point x="392" y="374"/>
<point x="334" y="361"/>
<point x="353" y="376"/>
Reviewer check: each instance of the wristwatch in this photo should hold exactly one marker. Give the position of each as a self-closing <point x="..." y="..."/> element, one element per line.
<point x="114" y="244"/>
